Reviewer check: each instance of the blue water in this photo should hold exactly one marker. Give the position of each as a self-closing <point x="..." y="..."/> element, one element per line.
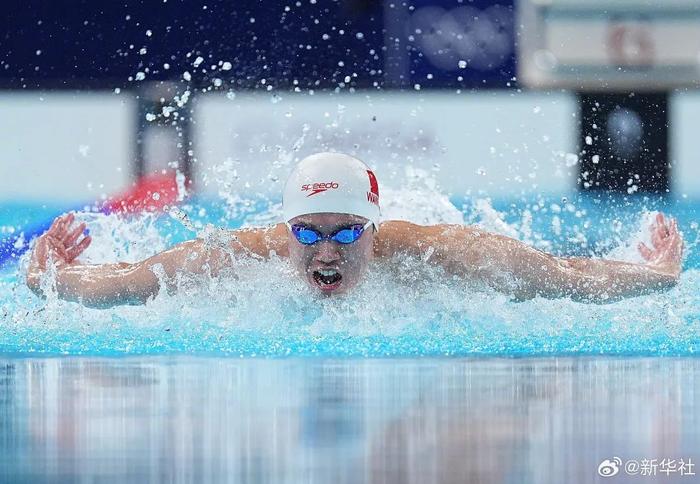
<point x="179" y="390"/>
<point x="319" y="420"/>
<point x="259" y="315"/>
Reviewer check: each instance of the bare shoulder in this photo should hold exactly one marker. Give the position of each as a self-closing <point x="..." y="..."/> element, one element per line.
<point x="261" y="241"/>
<point x="398" y="236"/>
<point x="201" y="255"/>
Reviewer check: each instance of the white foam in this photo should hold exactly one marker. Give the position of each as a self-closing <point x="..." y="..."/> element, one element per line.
<point x="118" y="238"/>
<point x="627" y="250"/>
<point x="397" y="298"/>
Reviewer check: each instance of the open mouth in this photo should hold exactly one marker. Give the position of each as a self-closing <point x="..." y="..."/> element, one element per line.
<point x="327" y="279"/>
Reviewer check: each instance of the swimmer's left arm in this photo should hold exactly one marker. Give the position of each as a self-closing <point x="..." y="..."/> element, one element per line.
<point x="526" y="272"/>
<point x="511" y="266"/>
<point x="106" y="285"/>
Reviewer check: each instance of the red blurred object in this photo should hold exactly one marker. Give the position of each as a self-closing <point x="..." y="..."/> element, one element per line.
<point x="151" y="193"/>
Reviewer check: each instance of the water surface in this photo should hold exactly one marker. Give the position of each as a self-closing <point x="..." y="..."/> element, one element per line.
<point x="186" y="419"/>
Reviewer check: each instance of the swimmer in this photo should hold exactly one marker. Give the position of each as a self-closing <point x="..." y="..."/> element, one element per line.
<point x="332" y="233"/>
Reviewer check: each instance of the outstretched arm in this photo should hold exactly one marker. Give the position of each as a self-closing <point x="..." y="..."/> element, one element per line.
<point x="104" y="285"/>
<point x="511" y="266"/>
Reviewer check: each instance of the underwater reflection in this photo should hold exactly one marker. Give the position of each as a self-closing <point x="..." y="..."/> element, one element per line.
<point x="184" y="419"/>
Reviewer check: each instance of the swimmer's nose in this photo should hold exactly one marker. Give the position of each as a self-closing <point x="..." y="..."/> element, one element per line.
<point x="327" y="252"/>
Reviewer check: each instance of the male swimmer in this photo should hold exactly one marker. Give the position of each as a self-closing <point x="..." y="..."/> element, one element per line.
<point x="331" y="235"/>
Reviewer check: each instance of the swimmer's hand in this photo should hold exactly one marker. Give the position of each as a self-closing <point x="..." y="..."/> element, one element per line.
<point x="667" y="252"/>
<point x="61" y="245"/>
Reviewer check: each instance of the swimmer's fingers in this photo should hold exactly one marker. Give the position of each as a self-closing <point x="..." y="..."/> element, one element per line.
<point x="65" y="227"/>
<point x="659" y="244"/>
<point x="57" y="250"/>
<point x="657" y="238"/>
<point x="76" y="250"/>
<point x="665" y="224"/>
<point x="661" y="220"/>
<point x="675" y="244"/>
<point x="54" y="226"/>
<point x="646" y="252"/>
<point x="59" y="242"/>
<point x="661" y="230"/>
<point x="54" y="229"/>
<point x="59" y="227"/>
<point x="669" y="232"/>
<point x="660" y="225"/>
<point x="667" y="251"/>
<point x="671" y="256"/>
<point x="73" y="235"/>
<point x="673" y="227"/>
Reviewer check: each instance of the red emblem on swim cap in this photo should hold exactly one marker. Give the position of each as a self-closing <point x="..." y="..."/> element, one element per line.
<point x="373" y="193"/>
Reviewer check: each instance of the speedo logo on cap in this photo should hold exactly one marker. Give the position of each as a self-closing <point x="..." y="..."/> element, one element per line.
<point x="373" y="193"/>
<point x="316" y="188"/>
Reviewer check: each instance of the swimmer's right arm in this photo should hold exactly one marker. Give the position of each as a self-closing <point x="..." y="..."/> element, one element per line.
<point x="105" y="285"/>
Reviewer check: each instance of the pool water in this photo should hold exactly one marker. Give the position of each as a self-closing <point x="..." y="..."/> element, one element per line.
<point x="318" y="420"/>
<point x="413" y="377"/>
<point x="264" y="310"/>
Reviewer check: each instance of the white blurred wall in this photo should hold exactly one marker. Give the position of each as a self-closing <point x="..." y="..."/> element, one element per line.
<point x="492" y="142"/>
<point x="64" y="146"/>
<point x="685" y="143"/>
<point x="76" y="147"/>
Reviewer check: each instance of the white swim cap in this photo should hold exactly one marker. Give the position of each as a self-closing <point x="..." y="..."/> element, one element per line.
<point x="331" y="183"/>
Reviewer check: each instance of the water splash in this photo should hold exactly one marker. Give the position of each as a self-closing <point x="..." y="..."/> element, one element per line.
<point x="403" y="308"/>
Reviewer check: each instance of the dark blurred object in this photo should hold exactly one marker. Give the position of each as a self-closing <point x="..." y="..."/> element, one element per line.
<point x="450" y="44"/>
<point x="84" y="43"/>
<point x="624" y="142"/>
<point x="275" y="44"/>
<point x="163" y="131"/>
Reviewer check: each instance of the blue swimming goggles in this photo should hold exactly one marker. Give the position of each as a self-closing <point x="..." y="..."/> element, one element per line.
<point x="345" y="235"/>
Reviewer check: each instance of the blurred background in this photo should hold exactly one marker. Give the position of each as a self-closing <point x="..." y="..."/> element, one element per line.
<point x="492" y="98"/>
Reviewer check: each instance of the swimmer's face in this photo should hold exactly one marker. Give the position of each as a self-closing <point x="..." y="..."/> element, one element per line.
<point x="327" y="265"/>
